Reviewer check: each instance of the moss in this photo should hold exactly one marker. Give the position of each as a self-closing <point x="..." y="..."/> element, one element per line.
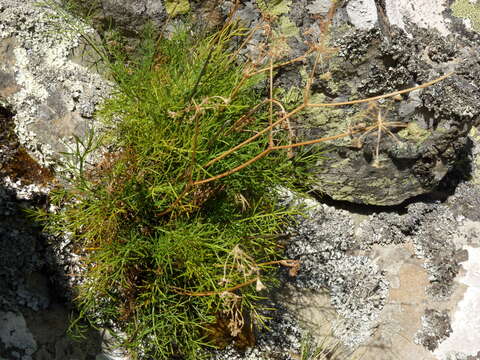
<point x="467" y="10"/>
<point x="177" y="7"/>
<point x="288" y="28"/>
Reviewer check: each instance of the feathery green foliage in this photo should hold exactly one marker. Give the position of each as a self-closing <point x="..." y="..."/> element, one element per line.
<point x="165" y="260"/>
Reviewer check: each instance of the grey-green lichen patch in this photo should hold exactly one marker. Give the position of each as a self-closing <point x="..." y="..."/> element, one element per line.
<point x="288" y="28"/>
<point x="177" y="7"/>
<point x="279" y="9"/>
<point x="469" y="10"/>
<point x="327" y="121"/>
<point x="291" y="97"/>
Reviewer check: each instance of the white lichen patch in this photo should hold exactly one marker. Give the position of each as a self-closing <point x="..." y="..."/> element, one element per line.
<point x="24" y="191"/>
<point x="427" y="14"/>
<point x="362" y="13"/>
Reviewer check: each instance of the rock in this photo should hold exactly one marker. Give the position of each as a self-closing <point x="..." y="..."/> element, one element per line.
<point x="390" y="47"/>
<point x="408" y="160"/>
<point x="427" y="14"/>
<point x="129" y="17"/>
<point x="362" y="13"/>
<point x="465" y="317"/>
<point x="52" y="97"/>
<point x="436" y="328"/>
<point x="372" y="272"/>
<point x="132" y="15"/>
<point x="14" y="334"/>
<point x="387" y="274"/>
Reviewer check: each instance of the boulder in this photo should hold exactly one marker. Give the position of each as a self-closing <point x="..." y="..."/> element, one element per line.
<point x="417" y="138"/>
<point x="51" y="96"/>
<point x="381" y="54"/>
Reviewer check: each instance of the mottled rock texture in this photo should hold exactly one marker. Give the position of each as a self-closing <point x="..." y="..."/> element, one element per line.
<point x="426" y="136"/>
<point x="51" y="96"/>
<point x="382" y="47"/>
<point x="431" y="125"/>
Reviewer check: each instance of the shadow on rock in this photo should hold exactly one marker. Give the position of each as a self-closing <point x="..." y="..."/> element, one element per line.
<point x="35" y="306"/>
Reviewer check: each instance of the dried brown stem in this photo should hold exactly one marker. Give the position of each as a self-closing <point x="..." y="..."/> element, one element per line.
<point x="270" y="108"/>
<point x="211" y="293"/>
<point x="385" y="96"/>
<point x="257" y="135"/>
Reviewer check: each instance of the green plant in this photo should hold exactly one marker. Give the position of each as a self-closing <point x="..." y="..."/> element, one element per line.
<point x="177" y="225"/>
<point x="166" y="259"/>
<point x="328" y="348"/>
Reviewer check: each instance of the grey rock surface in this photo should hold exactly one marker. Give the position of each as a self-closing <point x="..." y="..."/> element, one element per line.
<point x="15" y="334"/>
<point x="427" y="14"/>
<point x="362" y="13"/>
<point x="45" y="99"/>
<point x="428" y="128"/>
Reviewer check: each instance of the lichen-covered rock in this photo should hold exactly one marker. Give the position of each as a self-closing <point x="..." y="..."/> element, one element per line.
<point x="469" y="11"/>
<point x="130" y="16"/>
<point x="423" y="133"/>
<point x="51" y="96"/>
<point x="436" y="327"/>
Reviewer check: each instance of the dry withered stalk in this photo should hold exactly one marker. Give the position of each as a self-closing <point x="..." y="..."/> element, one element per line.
<point x="321" y="50"/>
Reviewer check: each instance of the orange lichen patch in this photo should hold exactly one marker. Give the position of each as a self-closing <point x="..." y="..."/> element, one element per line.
<point x="15" y="161"/>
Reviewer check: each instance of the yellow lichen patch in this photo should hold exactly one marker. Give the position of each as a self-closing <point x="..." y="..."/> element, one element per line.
<point x="288" y="28"/>
<point x="177" y="7"/>
<point x="293" y="96"/>
<point x="414" y="132"/>
<point x="274" y="7"/>
<point x="468" y="10"/>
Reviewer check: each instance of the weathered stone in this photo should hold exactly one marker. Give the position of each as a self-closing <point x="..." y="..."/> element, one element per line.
<point x="132" y="15"/>
<point x="52" y="97"/>
<point x="383" y="268"/>
<point x="401" y="164"/>
<point x="427" y="14"/>
<point x="427" y="133"/>
<point x="435" y="329"/>
<point x="15" y="336"/>
<point x="362" y="13"/>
